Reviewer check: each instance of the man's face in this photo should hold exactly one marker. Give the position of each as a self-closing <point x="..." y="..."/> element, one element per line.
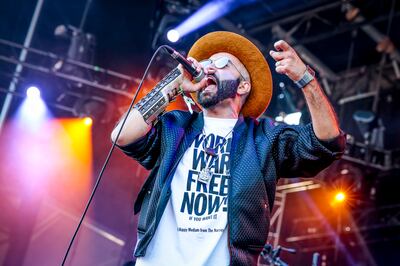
<point x="222" y="84"/>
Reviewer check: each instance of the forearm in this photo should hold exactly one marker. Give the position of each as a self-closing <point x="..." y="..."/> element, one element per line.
<point x="324" y="120"/>
<point x="325" y="124"/>
<point x="146" y="111"/>
<point x="134" y="128"/>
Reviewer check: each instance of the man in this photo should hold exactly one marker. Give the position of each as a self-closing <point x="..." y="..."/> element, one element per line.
<point x="208" y="198"/>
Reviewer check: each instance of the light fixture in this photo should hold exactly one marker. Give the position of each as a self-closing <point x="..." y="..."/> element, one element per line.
<point x="289" y="119"/>
<point x="33" y="92"/>
<point x="173" y="35"/>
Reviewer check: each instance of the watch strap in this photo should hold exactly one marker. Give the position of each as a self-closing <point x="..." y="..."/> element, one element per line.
<point x="308" y="76"/>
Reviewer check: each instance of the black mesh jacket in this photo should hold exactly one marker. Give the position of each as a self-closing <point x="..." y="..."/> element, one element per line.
<point x="260" y="153"/>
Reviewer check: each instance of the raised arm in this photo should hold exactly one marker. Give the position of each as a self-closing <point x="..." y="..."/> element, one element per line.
<point x="324" y="121"/>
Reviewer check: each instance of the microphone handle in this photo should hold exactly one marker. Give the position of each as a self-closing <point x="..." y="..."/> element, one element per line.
<point x="197" y="75"/>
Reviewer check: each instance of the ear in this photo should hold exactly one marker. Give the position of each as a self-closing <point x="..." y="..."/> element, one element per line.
<point x="244" y="88"/>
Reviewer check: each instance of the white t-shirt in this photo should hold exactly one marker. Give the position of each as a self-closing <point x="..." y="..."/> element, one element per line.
<point x="193" y="227"/>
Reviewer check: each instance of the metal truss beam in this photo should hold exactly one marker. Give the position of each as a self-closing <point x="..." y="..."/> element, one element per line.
<point x="372" y="31"/>
<point x="280" y="200"/>
<point x="361" y="222"/>
<point x="68" y="77"/>
<point x="300" y="15"/>
<point x="22" y="57"/>
<point x="323" y="70"/>
<point x="228" y="25"/>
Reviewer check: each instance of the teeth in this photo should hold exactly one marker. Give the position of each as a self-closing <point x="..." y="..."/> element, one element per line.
<point x="211" y="81"/>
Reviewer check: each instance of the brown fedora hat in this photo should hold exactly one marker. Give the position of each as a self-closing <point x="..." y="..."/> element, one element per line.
<point x="251" y="58"/>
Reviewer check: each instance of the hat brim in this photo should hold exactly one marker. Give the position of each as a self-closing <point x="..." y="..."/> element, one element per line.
<point x="250" y="56"/>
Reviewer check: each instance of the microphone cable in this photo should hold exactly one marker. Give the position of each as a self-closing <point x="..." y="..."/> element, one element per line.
<point x="109" y="155"/>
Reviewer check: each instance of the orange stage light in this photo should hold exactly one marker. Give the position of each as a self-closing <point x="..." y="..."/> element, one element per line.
<point x="340" y="196"/>
<point x="88" y="121"/>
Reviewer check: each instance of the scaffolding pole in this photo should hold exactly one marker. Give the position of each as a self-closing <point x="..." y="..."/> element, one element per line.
<point x="18" y="69"/>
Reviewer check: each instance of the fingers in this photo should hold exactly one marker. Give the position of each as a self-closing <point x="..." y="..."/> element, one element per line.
<point x="210" y="70"/>
<point x="282" y="59"/>
<point x="195" y="63"/>
<point x="188" y="86"/>
<point x="199" y="85"/>
<point x="278" y="55"/>
<point x="283" y="66"/>
<point x="283" y="62"/>
<point x="281" y="45"/>
<point x="287" y="61"/>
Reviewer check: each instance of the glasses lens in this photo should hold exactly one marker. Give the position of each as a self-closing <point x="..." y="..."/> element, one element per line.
<point x="206" y="62"/>
<point x="221" y="62"/>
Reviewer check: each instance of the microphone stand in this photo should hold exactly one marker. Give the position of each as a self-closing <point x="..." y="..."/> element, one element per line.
<point x="108" y="158"/>
<point x="272" y="255"/>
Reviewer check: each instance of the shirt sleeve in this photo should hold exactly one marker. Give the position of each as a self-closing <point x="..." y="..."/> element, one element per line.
<point x="146" y="150"/>
<point x="301" y="154"/>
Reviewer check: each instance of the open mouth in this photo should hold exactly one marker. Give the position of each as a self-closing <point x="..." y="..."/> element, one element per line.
<point x="211" y="84"/>
<point x="211" y="81"/>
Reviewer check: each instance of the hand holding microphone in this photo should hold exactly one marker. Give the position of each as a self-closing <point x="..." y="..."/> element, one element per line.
<point x="191" y="70"/>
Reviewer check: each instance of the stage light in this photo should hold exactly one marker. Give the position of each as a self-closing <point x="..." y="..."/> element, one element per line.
<point x="32" y="112"/>
<point x="88" y="121"/>
<point x="173" y="35"/>
<point x="366" y="121"/>
<point x="289" y="119"/>
<point x="340" y="197"/>
<point x="94" y="107"/>
<point x="293" y="118"/>
<point x="211" y="11"/>
<point x="33" y="93"/>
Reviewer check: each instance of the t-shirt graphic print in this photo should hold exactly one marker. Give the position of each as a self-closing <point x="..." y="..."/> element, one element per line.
<point x="193" y="228"/>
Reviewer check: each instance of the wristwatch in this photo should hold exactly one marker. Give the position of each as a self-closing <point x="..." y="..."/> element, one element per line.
<point x="308" y="76"/>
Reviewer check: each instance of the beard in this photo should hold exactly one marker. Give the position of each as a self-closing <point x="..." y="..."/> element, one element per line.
<point x="225" y="89"/>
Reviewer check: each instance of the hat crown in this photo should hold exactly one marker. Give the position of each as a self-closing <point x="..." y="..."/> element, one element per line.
<point x="252" y="59"/>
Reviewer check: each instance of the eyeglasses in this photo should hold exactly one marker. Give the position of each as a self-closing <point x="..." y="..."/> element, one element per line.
<point x="220" y="63"/>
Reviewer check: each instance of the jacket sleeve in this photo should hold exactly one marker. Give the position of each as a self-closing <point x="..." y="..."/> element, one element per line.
<point x="146" y="150"/>
<point x="301" y="154"/>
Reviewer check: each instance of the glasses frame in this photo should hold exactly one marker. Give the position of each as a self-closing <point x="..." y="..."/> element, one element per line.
<point x="220" y="63"/>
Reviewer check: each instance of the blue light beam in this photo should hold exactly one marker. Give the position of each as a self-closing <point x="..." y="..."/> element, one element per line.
<point x="208" y="13"/>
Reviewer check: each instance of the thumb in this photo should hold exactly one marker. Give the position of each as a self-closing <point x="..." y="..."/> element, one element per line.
<point x="199" y="85"/>
<point x="188" y="86"/>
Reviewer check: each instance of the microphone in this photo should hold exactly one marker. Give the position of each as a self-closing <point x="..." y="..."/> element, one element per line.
<point x="197" y="75"/>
